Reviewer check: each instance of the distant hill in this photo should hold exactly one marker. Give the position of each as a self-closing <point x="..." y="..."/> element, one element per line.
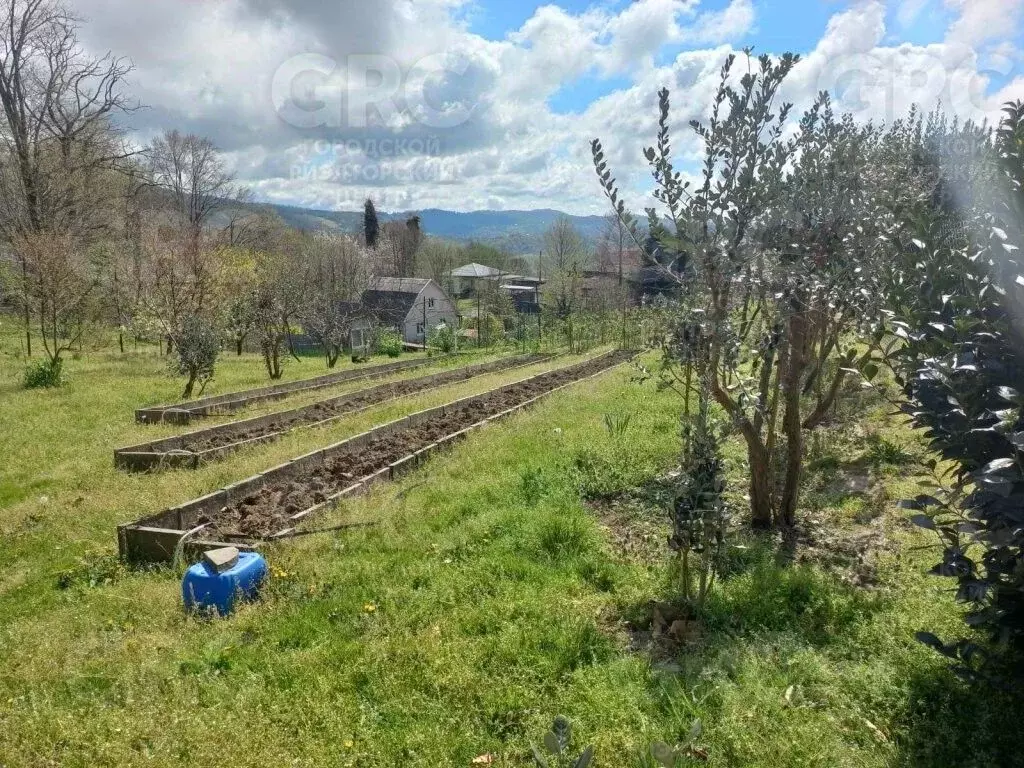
<point x="515" y="231"/>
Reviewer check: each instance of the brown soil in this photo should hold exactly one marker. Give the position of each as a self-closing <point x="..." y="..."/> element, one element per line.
<point x="269" y="509"/>
<point x="849" y="552"/>
<point x="318" y="412"/>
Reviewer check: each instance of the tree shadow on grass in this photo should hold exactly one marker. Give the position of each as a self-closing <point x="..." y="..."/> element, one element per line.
<point x="952" y="723"/>
<point x="761" y="592"/>
<point x="762" y="589"/>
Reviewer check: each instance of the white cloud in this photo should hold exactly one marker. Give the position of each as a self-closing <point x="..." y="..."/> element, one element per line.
<point x="909" y="10"/>
<point x="730" y="23"/>
<point x="980" y="21"/>
<point x="210" y="66"/>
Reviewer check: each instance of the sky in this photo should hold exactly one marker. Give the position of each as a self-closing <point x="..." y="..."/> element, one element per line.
<point x="491" y="104"/>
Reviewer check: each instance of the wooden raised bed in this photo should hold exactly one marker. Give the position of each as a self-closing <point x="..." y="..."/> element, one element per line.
<point x="177" y="452"/>
<point x="183" y="413"/>
<point x="156" y="537"/>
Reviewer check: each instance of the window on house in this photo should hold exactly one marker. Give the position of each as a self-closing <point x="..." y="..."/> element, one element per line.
<point x="430" y="303"/>
<point x="419" y="327"/>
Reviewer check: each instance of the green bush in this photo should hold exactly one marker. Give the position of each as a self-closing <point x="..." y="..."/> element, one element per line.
<point x="198" y="346"/>
<point x="388" y="343"/>
<point x="602" y="474"/>
<point x="444" y="338"/>
<point x="44" y="373"/>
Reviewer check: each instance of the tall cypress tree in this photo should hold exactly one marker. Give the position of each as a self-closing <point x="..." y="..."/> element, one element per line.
<point x="371" y="229"/>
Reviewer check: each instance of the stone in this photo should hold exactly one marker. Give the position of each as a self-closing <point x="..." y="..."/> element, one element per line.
<point x="221" y="559"/>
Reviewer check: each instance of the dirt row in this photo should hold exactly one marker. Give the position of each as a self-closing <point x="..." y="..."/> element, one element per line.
<point x="268" y="510"/>
<point x="317" y="412"/>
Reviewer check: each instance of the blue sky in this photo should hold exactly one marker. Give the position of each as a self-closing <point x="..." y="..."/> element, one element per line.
<point x="475" y="104"/>
<point x="781" y="26"/>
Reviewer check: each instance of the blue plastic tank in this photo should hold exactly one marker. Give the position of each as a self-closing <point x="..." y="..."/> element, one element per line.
<point x="204" y="588"/>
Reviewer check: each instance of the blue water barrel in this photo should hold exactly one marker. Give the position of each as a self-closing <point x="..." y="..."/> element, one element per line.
<point x="204" y="588"/>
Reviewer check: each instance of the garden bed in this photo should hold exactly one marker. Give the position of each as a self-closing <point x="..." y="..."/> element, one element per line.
<point x="269" y="505"/>
<point x="183" y="413"/>
<point x="193" y="449"/>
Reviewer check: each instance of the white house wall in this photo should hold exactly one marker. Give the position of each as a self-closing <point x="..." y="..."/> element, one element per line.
<point x="442" y="310"/>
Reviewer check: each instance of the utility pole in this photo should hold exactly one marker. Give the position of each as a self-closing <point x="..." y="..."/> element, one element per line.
<point x="536" y="296"/>
<point x="424" y="322"/>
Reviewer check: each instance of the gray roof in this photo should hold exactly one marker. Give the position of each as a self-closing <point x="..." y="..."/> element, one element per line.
<point x="390" y="299"/>
<point x="411" y="285"/>
<point x="476" y="270"/>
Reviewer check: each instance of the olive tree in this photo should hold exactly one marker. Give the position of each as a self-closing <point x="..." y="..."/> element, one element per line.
<point x="706" y="241"/>
<point x="198" y="346"/>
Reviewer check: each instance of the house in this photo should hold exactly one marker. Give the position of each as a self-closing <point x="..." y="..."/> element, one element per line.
<point x="467" y="277"/>
<point x="411" y="305"/>
<point x="524" y="291"/>
<point x="639" y="273"/>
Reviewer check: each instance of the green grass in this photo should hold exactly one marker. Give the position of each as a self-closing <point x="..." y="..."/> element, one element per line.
<point x="488" y="599"/>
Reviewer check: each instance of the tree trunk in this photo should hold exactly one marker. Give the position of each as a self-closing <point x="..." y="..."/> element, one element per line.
<point x="238" y="346"/>
<point x="272" y="359"/>
<point x="760" y="487"/>
<point x="291" y="346"/>
<point x="189" y="386"/>
<point x="27" y="312"/>
<point x="792" y="425"/>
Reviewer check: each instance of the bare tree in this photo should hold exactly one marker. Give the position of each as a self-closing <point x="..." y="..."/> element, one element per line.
<point x="566" y="255"/>
<point x="190" y="169"/>
<point x="397" y="247"/>
<point x="55" y="135"/>
<point x="282" y="279"/>
<point x="338" y="274"/>
<point x="437" y="259"/>
<point x="61" y="290"/>
<point x="191" y="175"/>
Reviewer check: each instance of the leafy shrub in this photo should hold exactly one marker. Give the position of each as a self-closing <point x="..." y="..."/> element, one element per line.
<point x="882" y="452"/>
<point x="388" y="343"/>
<point x="599" y="475"/>
<point x="963" y="362"/>
<point x="494" y="330"/>
<point x="444" y="338"/>
<point x="534" y="484"/>
<point x="97" y="572"/>
<point x="198" y="346"/>
<point x="699" y="515"/>
<point x="44" y="373"/>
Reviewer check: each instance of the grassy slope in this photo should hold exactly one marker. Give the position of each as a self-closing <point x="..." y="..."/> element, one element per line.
<point x="488" y="600"/>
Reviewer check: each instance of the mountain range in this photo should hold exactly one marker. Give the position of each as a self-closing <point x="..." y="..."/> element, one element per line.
<point x="517" y="232"/>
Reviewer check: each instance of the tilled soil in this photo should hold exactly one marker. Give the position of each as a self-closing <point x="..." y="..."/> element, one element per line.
<point x="317" y="412"/>
<point x="268" y="510"/>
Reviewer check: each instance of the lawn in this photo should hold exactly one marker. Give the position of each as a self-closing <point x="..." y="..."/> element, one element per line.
<point x="504" y="583"/>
